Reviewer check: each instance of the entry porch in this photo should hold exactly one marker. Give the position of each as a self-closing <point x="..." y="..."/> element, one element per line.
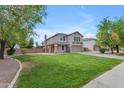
<point x="58" y="48"/>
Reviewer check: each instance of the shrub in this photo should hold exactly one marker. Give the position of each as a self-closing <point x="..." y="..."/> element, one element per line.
<point x="23" y="50"/>
<point x="102" y="50"/>
<point x="11" y="52"/>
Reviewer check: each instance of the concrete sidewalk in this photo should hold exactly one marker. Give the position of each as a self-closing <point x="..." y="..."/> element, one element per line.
<point x="111" y="79"/>
<point x="8" y="69"/>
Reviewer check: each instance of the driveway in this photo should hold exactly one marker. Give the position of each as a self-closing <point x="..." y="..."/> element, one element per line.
<point x="111" y="79"/>
<point x="8" y="69"/>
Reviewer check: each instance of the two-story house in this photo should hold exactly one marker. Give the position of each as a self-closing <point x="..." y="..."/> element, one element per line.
<point x="61" y="42"/>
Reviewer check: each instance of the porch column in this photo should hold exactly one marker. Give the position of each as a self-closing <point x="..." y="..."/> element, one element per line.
<point x="70" y="46"/>
<point x="55" y="48"/>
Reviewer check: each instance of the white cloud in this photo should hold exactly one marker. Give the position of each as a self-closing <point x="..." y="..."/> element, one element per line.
<point x="90" y="35"/>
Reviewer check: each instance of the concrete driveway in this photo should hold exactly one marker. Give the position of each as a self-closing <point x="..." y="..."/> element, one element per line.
<point x="8" y="69"/>
<point x="111" y="79"/>
<point x="96" y="53"/>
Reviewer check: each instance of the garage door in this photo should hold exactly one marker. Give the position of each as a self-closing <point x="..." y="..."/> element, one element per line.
<point x="76" y="48"/>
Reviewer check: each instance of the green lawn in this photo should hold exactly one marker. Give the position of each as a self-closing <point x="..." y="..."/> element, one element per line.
<point x="66" y="70"/>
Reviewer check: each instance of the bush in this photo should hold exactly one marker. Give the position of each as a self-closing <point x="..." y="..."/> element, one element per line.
<point x="23" y="50"/>
<point x="11" y="52"/>
<point x="102" y="50"/>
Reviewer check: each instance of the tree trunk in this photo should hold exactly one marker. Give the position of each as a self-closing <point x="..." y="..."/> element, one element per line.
<point x="117" y="48"/>
<point x="12" y="47"/>
<point x="112" y="50"/>
<point x="2" y="49"/>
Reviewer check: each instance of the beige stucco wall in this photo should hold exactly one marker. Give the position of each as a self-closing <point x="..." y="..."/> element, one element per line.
<point x="71" y="38"/>
<point x="56" y="39"/>
<point x="59" y="49"/>
<point x="52" y="40"/>
<point x="89" y="44"/>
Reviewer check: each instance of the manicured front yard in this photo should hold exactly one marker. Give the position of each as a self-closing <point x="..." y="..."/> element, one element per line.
<point x="66" y="70"/>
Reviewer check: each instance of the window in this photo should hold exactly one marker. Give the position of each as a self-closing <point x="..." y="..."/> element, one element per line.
<point x="62" y="38"/>
<point x="77" y="39"/>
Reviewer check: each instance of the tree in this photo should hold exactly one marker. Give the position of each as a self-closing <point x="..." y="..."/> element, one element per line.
<point x="104" y="34"/>
<point x="17" y="23"/>
<point x="111" y="33"/>
<point x="31" y="43"/>
<point x="118" y="28"/>
<point x="19" y="39"/>
<point x="36" y="43"/>
<point x="38" y="46"/>
<point x="116" y="39"/>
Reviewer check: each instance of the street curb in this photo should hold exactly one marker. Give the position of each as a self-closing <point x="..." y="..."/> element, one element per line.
<point x="11" y="85"/>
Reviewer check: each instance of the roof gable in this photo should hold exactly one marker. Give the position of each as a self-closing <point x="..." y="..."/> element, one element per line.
<point x="75" y="33"/>
<point x="55" y="35"/>
<point x="64" y="34"/>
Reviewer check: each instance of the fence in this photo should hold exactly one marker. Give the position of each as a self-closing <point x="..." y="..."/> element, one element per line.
<point x="32" y="50"/>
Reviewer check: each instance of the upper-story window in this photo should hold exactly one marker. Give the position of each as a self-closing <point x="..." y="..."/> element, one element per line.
<point x="79" y="38"/>
<point x="76" y="39"/>
<point x="62" y="38"/>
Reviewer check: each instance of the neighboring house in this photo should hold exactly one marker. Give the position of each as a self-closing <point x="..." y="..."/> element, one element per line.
<point x="61" y="42"/>
<point x="89" y="44"/>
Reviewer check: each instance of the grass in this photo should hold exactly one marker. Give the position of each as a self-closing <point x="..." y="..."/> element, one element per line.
<point x="63" y="71"/>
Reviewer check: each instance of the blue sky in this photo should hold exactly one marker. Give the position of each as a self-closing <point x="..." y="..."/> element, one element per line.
<point x="67" y="19"/>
